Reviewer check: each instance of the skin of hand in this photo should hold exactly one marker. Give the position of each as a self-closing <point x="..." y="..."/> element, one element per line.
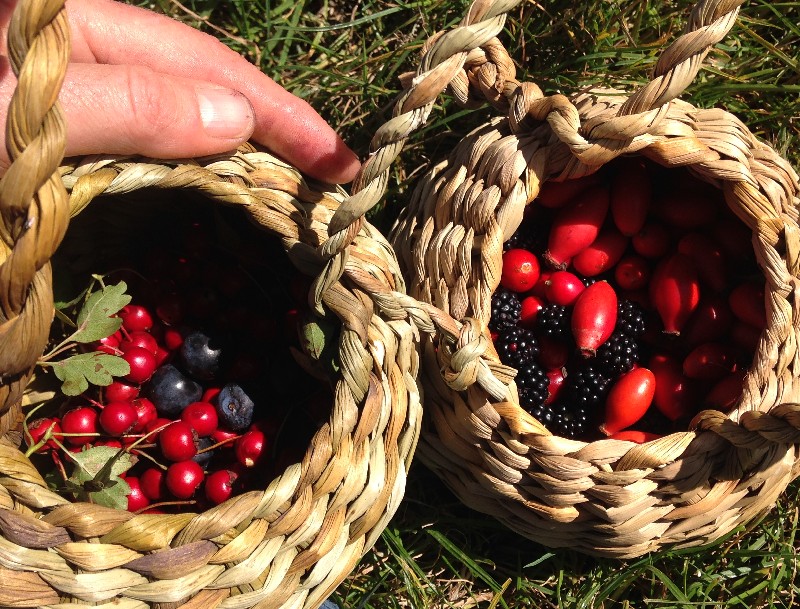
<point x="142" y="83"/>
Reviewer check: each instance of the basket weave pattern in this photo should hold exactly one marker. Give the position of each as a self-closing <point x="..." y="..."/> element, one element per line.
<point x="288" y="545"/>
<point x="606" y="497"/>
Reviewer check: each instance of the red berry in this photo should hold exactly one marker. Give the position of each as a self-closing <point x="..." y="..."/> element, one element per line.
<point x="154" y="428"/>
<point x="687" y="209"/>
<point x="137" y="500"/>
<point x="631" y="190"/>
<point x="746" y="337"/>
<point x="162" y="356"/>
<point x="39" y="428"/>
<point x="173" y="339"/>
<point x="675" y="291"/>
<point x="632" y="273"/>
<point x="210" y="394"/>
<point x="563" y="288"/>
<point x="556" y="377"/>
<point x="730" y="233"/>
<point x="553" y="353"/>
<point x="178" y="441"/>
<point x="82" y="420"/>
<point x="724" y="395"/>
<point x="136" y="318"/>
<point x="145" y="413"/>
<point x="628" y="399"/>
<point x="117" y="418"/>
<point x="711" y="321"/>
<point x="153" y="483"/>
<point x="219" y="485"/>
<point x="202" y="417"/>
<point x="184" y="478"/>
<point x="119" y="391"/>
<point x="109" y="344"/>
<point x="676" y="394"/>
<point x="594" y="317"/>
<point x="634" y="435"/>
<point x="531" y="305"/>
<point x="602" y="255"/>
<point x="142" y="363"/>
<point x="250" y="448"/>
<point x="139" y="338"/>
<point x="576" y="226"/>
<point x="709" y="362"/>
<point x="224" y="435"/>
<point x="652" y="241"/>
<point x="520" y="270"/>
<point x="707" y="258"/>
<point x="557" y="194"/>
<point x="747" y="303"/>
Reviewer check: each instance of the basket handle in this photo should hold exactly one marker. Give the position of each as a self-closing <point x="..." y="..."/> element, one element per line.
<point x="33" y="201"/>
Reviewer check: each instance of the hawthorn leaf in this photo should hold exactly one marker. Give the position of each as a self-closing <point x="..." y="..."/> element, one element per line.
<point x="95" y="319"/>
<point x="96" y="477"/>
<point x="96" y="367"/>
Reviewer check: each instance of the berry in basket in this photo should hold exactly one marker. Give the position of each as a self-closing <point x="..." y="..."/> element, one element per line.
<point x="638" y="304"/>
<point x="187" y="412"/>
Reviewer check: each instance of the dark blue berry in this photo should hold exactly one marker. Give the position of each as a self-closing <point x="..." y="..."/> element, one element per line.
<point x="200" y="357"/>
<point x="203" y="458"/>
<point x="234" y="408"/>
<point x="171" y="391"/>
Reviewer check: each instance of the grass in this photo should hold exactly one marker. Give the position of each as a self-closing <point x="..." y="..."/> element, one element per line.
<point x="345" y="58"/>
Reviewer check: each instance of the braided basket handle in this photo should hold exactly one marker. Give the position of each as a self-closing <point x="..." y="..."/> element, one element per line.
<point x="33" y="200"/>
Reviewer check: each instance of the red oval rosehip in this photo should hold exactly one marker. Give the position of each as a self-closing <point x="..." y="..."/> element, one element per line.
<point x="576" y="226"/>
<point x="675" y="291"/>
<point x="676" y="394"/>
<point x="602" y="255"/>
<point x="628" y="399"/>
<point x="709" y="362"/>
<point x="707" y="258"/>
<point x="724" y="395"/>
<point x="747" y="303"/>
<point x="184" y="478"/>
<point x="632" y="273"/>
<point x="594" y="317"/>
<point x="652" y="241"/>
<point x="557" y="194"/>
<point x="520" y="270"/>
<point x="634" y="435"/>
<point x="631" y="190"/>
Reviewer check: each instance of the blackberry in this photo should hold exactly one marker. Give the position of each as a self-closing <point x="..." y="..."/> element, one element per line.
<point x="532" y="383"/>
<point x="630" y="318"/>
<point x="517" y="346"/>
<point x="618" y="354"/>
<point x="564" y="420"/>
<point x="587" y="386"/>
<point x="506" y="309"/>
<point x="553" y="320"/>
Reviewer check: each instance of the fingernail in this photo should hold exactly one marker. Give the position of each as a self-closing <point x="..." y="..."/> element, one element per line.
<point x="226" y="114"/>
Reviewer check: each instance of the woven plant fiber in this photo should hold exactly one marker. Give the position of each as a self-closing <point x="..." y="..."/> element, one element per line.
<point x="606" y="497"/>
<point x="289" y="544"/>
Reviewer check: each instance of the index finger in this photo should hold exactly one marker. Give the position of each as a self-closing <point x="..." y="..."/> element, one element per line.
<point x="109" y="32"/>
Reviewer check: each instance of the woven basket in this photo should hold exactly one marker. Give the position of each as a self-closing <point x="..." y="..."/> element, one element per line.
<point x="287" y="545"/>
<point x="607" y="497"/>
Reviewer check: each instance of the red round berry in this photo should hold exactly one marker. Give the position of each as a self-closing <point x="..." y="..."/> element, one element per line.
<point x="145" y="413"/>
<point x="184" y="478"/>
<point x="39" y="428"/>
<point x="136" y="318"/>
<point x="153" y="483"/>
<point x="224" y="435"/>
<point x="109" y="344"/>
<point x="250" y="448"/>
<point x="219" y="485"/>
<point x="520" y="270"/>
<point x="142" y="363"/>
<point x="154" y="428"/>
<point x="81" y="420"/>
<point x="202" y="417"/>
<point x="117" y="418"/>
<point x="178" y="441"/>
<point x="120" y="391"/>
<point x="563" y="288"/>
<point x="173" y="339"/>
<point x="136" y="499"/>
<point x="139" y="338"/>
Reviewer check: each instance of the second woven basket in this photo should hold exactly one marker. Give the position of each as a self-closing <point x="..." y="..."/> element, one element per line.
<point x="606" y="497"/>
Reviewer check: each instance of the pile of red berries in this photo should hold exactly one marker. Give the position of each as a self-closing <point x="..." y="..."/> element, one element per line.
<point x="214" y="403"/>
<point x="629" y="300"/>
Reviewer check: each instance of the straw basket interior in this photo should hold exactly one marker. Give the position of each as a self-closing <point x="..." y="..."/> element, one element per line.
<point x="606" y="497"/>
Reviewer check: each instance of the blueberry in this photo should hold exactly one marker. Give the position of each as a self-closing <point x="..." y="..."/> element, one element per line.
<point x="171" y="391"/>
<point x="234" y="408"/>
<point x="203" y="458"/>
<point x="200" y="357"/>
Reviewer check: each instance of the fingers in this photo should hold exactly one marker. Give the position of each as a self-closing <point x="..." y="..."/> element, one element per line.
<point x="113" y="33"/>
<point x="134" y="110"/>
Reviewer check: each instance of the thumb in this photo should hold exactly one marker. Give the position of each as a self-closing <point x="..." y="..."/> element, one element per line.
<point x="134" y="110"/>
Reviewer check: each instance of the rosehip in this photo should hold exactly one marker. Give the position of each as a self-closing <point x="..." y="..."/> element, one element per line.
<point x="556" y="378"/>
<point x="576" y="226"/>
<point x="652" y="241"/>
<point x="747" y="303"/>
<point x="594" y="317"/>
<point x="602" y="255"/>
<point x="675" y="395"/>
<point x="707" y="258"/>
<point x="634" y="435"/>
<point x="557" y="194"/>
<point x="711" y="321"/>
<point x="726" y="392"/>
<point x="632" y="272"/>
<point x="628" y="399"/>
<point x="631" y="190"/>
<point x="675" y="291"/>
<point x="709" y="362"/>
<point x="520" y="270"/>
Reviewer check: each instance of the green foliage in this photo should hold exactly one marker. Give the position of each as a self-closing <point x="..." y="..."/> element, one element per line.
<point x="96" y="476"/>
<point x="77" y="371"/>
<point x="95" y="319"/>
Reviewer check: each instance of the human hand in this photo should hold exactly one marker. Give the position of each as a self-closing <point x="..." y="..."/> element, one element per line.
<point x="142" y="83"/>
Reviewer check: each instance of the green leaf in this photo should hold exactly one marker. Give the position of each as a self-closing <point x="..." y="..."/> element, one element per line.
<point x="96" y="476"/>
<point x="95" y="319"/>
<point x="97" y="368"/>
